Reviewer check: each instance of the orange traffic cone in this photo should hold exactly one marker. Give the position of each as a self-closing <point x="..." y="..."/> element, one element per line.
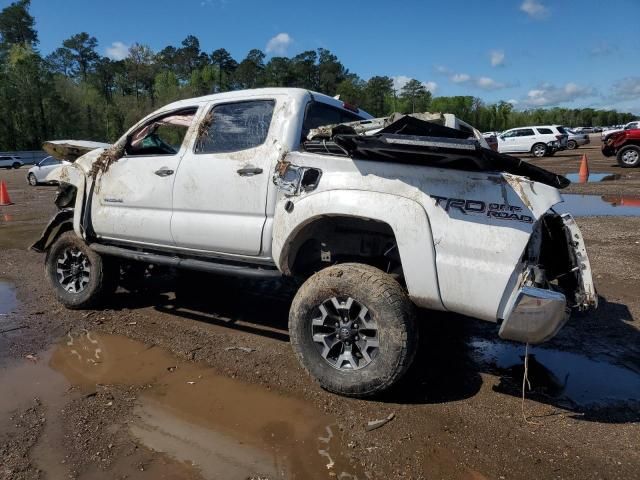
<point x="583" y="174"/>
<point x="4" y="195"/>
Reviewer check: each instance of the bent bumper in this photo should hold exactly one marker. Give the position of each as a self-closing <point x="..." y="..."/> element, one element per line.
<point x="537" y="315"/>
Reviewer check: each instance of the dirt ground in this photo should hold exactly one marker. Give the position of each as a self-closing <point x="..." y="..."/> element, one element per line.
<point x="163" y="383"/>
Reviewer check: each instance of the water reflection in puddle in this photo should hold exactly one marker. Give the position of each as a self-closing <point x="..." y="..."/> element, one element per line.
<point x="593" y="177"/>
<point x="596" y="205"/>
<point x="224" y="427"/>
<point x="575" y="380"/>
<point x="7" y="298"/>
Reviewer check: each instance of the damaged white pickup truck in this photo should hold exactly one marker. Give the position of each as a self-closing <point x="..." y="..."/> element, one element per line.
<point x="374" y="216"/>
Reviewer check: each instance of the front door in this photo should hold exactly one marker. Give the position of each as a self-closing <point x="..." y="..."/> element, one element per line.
<point x="133" y="199"/>
<point x="220" y="194"/>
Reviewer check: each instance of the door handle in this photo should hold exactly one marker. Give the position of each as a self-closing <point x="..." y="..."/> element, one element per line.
<point x="249" y="171"/>
<point x="163" y="172"/>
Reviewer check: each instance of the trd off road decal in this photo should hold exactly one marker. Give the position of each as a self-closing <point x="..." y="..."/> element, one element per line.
<point x="500" y="211"/>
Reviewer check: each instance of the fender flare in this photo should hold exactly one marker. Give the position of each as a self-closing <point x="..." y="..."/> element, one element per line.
<point x="61" y="222"/>
<point x="407" y="218"/>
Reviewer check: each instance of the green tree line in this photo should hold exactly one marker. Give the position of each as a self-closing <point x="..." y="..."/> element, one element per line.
<point x="74" y="92"/>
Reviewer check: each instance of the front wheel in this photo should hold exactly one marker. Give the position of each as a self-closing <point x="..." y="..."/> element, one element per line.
<point x="572" y="145"/>
<point x="539" y="150"/>
<point x="16" y="165"/>
<point x="33" y="181"/>
<point x="629" y="156"/>
<point x="352" y="327"/>
<point x="80" y="277"/>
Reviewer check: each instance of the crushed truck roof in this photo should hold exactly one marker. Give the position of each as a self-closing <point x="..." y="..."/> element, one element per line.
<point x="421" y="139"/>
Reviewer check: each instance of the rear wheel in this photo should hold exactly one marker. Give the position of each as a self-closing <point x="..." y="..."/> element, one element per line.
<point x="629" y="156"/>
<point x="539" y="150"/>
<point x="572" y="145"/>
<point x="80" y="277"/>
<point x="352" y="327"/>
<point x="33" y="181"/>
<point x="16" y="165"/>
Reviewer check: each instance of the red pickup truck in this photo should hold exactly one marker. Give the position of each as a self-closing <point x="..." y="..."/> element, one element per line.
<point x="625" y="145"/>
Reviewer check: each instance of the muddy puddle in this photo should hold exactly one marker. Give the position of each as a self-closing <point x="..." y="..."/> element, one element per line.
<point x="19" y="231"/>
<point x="213" y="426"/>
<point x="8" y="301"/>
<point x="571" y="380"/>
<point x="599" y="205"/>
<point x="593" y="177"/>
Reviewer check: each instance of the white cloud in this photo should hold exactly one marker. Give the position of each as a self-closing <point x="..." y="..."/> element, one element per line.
<point x="279" y="44"/>
<point x="547" y="94"/>
<point x="487" y="83"/>
<point x="117" y="51"/>
<point x="400" y="81"/>
<point x="513" y="101"/>
<point x="460" y="78"/>
<point x="627" y="88"/>
<point x="431" y="86"/>
<point x="484" y="83"/>
<point x="534" y="9"/>
<point x="497" y="58"/>
<point x="603" y="49"/>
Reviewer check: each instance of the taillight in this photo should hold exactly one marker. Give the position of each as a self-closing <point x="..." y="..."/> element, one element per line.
<point x="559" y="137"/>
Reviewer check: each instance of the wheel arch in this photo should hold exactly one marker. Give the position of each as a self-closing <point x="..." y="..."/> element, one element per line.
<point x="382" y="215"/>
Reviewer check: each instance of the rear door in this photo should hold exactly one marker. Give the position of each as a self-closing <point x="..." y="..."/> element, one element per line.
<point x="525" y="139"/>
<point x="133" y="198"/>
<point x="221" y="186"/>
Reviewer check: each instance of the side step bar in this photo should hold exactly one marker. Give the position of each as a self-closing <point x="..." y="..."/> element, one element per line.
<point x="187" y="263"/>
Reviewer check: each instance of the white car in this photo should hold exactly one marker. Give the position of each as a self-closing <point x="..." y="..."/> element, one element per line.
<point x="10" y="161"/>
<point x="38" y="173"/>
<point x="540" y="141"/>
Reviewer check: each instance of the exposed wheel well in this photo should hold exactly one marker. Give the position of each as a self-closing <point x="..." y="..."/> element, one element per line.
<point x="338" y="239"/>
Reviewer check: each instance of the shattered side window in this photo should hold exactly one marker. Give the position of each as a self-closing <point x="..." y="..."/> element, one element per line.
<point x="232" y="127"/>
<point x="161" y="136"/>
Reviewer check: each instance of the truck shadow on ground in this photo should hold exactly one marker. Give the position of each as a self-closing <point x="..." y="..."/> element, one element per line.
<point x="591" y="369"/>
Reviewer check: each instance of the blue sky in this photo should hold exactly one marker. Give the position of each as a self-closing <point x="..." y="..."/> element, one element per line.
<point x="572" y="53"/>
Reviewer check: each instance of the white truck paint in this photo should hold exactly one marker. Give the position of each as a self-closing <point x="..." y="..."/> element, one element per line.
<point x="467" y="242"/>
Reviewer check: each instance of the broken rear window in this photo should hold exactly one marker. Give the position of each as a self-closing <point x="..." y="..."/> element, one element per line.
<point x="232" y="127"/>
<point x="319" y="114"/>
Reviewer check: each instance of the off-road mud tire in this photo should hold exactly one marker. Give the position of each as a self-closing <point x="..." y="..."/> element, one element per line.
<point x="103" y="275"/>
<point x="387" y="303"/>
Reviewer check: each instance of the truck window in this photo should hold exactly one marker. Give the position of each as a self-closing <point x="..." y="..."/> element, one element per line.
<point x="162" y="135"/>
<point x="232" y="127"/>
<point x="318" y="114"/>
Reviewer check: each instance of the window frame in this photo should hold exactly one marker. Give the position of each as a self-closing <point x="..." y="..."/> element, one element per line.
<point x="195" y="108"/>
<point x="196" y="137"/>
<point x="547" y="132"/>
<point x="532" y="134"/>
<point x="327" y="105"/>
